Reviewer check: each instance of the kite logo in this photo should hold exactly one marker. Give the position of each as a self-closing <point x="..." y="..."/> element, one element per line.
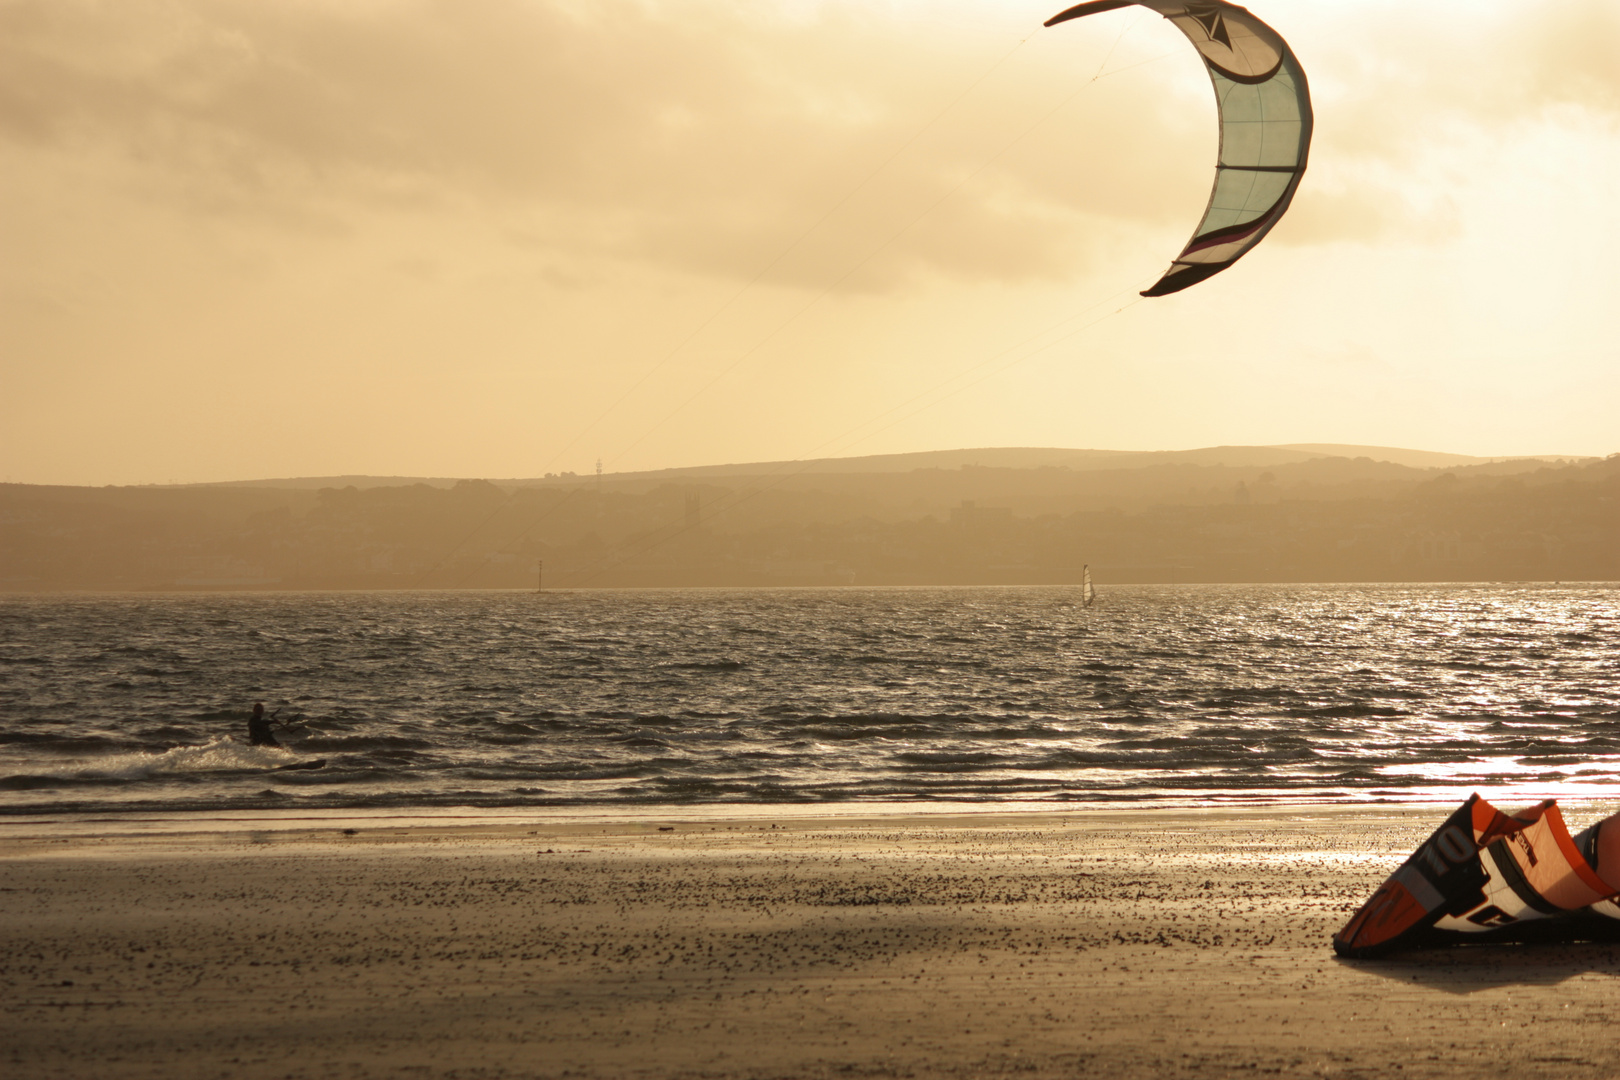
<point x="1491" y="915"/>
<point x="1209" y="17"/>
<point x="1446" y="850"/>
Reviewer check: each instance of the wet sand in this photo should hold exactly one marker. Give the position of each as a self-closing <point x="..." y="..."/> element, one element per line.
<point x="1106" y="944"/>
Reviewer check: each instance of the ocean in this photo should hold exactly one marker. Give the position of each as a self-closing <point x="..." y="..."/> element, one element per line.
<point x="1183" y="695"/>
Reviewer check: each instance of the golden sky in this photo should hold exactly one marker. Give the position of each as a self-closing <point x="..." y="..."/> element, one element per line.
<point x="507" y="237"/>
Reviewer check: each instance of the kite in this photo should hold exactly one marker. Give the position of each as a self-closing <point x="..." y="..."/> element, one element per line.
<point x="1485" y="875"/>
<point x="1265" y="117"/>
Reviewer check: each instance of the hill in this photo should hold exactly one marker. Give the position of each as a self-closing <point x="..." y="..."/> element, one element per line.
<point x="995" y="515"/>
<point x="984" y="457"/>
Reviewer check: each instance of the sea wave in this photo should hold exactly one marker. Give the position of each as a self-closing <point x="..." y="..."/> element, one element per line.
<point x="837" y="695"/>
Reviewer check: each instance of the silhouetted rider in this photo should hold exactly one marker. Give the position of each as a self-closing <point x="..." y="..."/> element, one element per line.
<point x="260" y="725"/>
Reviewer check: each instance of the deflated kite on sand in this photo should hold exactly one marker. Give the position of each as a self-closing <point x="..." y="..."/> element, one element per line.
<point x="1485" y="874"/>
<point x="1265" y="117"/>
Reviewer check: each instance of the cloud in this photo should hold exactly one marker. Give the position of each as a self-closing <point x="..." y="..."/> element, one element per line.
<point x="1417" y="105"/>
<point x="1571" y="54"/>
<point x="721" y="139"/>
<point x="701" y="136"/>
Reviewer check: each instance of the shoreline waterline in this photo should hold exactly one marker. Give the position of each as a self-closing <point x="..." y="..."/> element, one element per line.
<point x="513" y="821"/>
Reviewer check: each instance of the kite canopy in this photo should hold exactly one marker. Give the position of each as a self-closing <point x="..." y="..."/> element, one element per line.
<point x="1265" y="116"/>
<point x="1488" y="874"/>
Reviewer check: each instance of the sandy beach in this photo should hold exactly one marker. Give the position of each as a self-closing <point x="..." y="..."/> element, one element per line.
<point x="1091" y="943"/>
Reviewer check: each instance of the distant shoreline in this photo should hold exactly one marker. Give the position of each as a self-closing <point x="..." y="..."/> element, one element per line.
<point x="16" y="593"/>
<point x="1227" y="515"/>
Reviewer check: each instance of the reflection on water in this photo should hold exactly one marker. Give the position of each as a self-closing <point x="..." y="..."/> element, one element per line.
<point x="1193" y="693"/>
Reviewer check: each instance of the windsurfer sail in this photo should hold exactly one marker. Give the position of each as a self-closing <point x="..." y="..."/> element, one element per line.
<point x="1088" y="595"/>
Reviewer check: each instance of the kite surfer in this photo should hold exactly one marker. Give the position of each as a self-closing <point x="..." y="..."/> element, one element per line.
<point x="262" y="732"/>
<point x="261" y="727"/>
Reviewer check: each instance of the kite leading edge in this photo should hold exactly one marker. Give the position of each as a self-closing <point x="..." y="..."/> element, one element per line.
<point x="1265" y="117"/>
